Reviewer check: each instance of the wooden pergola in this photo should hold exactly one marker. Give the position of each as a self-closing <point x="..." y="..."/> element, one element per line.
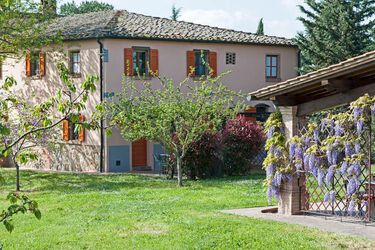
<point x="325" y="88"/>
<point x="329" y="87"/>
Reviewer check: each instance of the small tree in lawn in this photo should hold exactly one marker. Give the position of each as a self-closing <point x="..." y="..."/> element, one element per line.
<point x="174" y="114"/>
<point x="25" y="125"/>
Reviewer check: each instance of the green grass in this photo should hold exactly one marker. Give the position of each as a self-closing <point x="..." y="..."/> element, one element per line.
<point x="138" y="212"/>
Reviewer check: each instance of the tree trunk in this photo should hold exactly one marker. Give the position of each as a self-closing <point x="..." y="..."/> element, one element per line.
<point x="179" y="169"/>
<point x="17" y="176"/>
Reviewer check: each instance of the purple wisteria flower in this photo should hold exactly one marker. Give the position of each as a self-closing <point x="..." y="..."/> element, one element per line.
<point x="330" y="174"/>
<point x="344" y="167"/>
<point x="312" y="161"/>
<point x="270" y="132"/>
<point x="321" y="175"/>
<point x="355" y="169"/>
<point x="299" y="168"/>
<point x="359" y="126"/>
<point x="270" y="169"/>
<point x="329" y="156"/>
<point x="292" y="150"/>
<point x="348" y="149"/>
<point x="277" y="152"/>
<point x="306" y="158"/>
<point x="316" y="134"/>
<point x="334" y="156"/>
<point x="351" y="207"/>
<point x="299" y="153"/>
<point x="326" y="197"/>
<point x="338" y="130"/>
<point x="332" y="196"/>
<point x="353" y="186"/>
<point x="357" y="112"/>
<point x="373" y="109"/>
<point x="277" y="179"/>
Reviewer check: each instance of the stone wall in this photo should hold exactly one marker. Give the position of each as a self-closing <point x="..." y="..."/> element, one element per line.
<point x="67" y="157"/>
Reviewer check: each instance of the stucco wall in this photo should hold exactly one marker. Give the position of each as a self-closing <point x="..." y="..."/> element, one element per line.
<point x="73" y="155"/>
<point x="246" y="75"/>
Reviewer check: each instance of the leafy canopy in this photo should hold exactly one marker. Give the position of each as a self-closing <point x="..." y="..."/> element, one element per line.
<point x="335" y="30"/>
<point x="72" y="8"/>
<point x="174" y="114"/>
<point x="260" y="29"/>
<point x="22" y="26"/>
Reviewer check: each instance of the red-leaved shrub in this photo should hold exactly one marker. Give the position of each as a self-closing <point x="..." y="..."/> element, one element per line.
<point x="240" y="142"/>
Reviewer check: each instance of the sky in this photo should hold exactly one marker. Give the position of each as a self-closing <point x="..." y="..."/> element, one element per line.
<point x="280" y="16"/>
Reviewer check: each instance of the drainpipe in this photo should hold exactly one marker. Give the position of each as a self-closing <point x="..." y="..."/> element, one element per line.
<point x="101" y="167"/>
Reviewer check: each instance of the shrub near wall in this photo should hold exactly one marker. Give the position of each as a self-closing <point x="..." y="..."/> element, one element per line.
<point x="229" y="152"/>
<point x="201" y="160"/>
<point x="240" y="142"/>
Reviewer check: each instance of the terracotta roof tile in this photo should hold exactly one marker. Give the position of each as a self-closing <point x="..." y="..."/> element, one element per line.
<point x="124" y="24"/>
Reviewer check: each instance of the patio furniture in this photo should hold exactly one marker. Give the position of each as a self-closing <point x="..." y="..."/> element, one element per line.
<point x="162" y="159"/>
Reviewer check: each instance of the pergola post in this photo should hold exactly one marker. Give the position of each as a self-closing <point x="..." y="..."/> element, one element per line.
<point x="291" y="194"/>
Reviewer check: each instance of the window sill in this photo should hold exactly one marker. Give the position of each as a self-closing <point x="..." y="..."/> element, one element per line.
<point x="271" y="79"/>
<point x="35" y="77"/>
<point x="142" y="78"/>
<point x="76" y="75"/>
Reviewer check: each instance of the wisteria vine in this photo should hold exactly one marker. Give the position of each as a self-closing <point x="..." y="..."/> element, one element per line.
<point x="276" y="163"/>
<point x="334" y="145"/>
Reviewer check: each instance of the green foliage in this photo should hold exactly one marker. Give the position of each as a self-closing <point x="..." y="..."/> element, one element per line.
<point x="176" y="13"/>
<point x="72" y="8"/>
<point x="260" y="29"/>
<point x="174" y="114"/>
<point x="22" y="26"/>
<point x="26" y="124"/>
<point x="19" y="204"/>
<point x="335" y="30"/>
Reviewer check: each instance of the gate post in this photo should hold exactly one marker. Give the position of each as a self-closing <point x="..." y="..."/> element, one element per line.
<point x="291" y="194"/>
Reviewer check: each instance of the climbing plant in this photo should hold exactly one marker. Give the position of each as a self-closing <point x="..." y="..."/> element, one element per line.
<point x="276" y="163"/>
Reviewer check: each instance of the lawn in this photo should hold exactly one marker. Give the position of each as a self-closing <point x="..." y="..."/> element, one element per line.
<point x="139" y="212"/>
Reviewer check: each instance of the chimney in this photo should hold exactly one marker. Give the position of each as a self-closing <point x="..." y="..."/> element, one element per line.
<point x="49" y="7"/>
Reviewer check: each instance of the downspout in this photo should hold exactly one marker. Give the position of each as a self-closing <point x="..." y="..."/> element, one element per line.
<point x="101" y="157"/>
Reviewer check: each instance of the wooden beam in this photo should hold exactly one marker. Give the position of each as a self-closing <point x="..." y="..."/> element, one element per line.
<point x="334" y="100"/>
<point x="340" y="85"/>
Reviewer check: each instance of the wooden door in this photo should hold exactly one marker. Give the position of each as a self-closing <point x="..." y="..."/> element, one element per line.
<point x="139" y="153"/>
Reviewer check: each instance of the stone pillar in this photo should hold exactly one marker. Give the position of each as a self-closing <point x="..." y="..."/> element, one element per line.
<point x="291" y="194"/>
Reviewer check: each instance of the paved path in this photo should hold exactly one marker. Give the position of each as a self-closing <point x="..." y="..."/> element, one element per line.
<point x="330" y="224"/>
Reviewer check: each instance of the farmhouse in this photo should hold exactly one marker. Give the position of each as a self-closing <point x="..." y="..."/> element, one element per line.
<point x="112" y="44"/>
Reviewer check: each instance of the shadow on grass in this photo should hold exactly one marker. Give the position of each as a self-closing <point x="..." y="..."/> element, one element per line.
<point x="72" y="182"/>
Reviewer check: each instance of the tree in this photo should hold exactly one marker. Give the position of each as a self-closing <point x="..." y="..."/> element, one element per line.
<point x="25" y="125"/>
<point x="72" y="8"/>
<point x="175" y="114"/>
<point x="176" y="13"/>
<point x="260" y="29"/>
<point x="335" y="30"/>
<point x="22" y="26"/>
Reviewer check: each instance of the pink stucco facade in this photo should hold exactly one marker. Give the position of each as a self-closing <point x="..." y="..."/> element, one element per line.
<point x="248" y="74"/>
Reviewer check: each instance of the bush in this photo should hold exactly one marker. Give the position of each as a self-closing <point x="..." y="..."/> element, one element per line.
<point x="200" y="161"/>
<point x="228" y="152"/>
<point x="240" y="141"/>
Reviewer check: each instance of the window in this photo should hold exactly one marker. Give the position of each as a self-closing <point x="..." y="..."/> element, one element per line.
<point x="230" y="58"/>
<point x="272" y="66"/>
<point x="141" y="60"/>
<point x="35" y="64"/>
<point x="200" y="62"/>
<point x="71" y="130"/>
<point x="75" y="63"/>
